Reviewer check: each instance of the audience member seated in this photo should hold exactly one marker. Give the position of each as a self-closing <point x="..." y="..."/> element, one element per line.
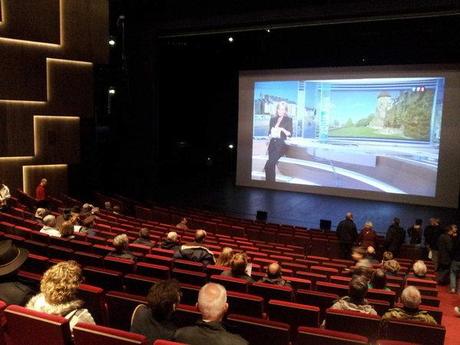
<point x="4" y="196"/>
<point x="212" y="303"/>
<point x="116" y="209"/>
<point x="66" y="215"/>
<point x="410" y="299"/>
<point x="356" y="297"/>
<point x="50" y="226"/>
<point x="359" y="256"/>
<point x="40" y="213"/>
<point x="12" y="291"/>
<point x="387" y="256"/>
<point x="379" y="280"/>
<point x="66" y="230"/>
<point x="274" y="276"/>
<point x="196" y="251"/>
<point x="171" y="241"/>
<point x="239" y="268"/>
<point x="144" y="238"/>
<point x="57" y="296"/>
<point x="225" y="257"/>
<point x="391" y="267"/>
<point x="371" y="255"/>
<point x="419" y="270"/>
<point x="121" y="245"/>
<point x="108" y="206"/>
<point x="155" y="320"/>
<point x="87" y="215"/>
<point x="182" y="225"/>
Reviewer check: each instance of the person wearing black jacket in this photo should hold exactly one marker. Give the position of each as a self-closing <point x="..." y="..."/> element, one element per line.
<point x="395" y="237"/>
<point x="445" y="245"/>
<point x="171" y="242"/>
<point x="280" y="129"/>
<point x="455" y="264"/>
<point x="415" y="232"/>
<point x="196" y="251"/>
<point x="347" y="234"/>
<point x="431" y="234"/>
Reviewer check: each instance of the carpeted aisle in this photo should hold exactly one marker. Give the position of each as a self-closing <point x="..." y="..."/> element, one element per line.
<point x="449" y="319"/>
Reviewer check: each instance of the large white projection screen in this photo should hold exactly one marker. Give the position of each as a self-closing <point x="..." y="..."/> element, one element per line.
<point x="384" y="133"/>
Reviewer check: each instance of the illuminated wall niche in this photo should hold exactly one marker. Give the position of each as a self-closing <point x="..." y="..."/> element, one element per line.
<point x="46" y="63"/>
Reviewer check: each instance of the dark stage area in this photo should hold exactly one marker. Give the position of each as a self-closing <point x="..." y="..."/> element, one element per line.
<point x="219" y="194"/>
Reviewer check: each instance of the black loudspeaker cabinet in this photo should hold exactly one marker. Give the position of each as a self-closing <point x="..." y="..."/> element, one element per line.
<point x="261" y="216"/>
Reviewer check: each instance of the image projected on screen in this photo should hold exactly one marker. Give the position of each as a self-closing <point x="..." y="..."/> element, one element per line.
<point x="349" y="133"/>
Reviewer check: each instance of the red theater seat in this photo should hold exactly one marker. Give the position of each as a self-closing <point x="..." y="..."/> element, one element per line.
<point x="353" y="322"/>
<point x="313" y="277"/>
<point x="158" y="260"/>
<point x="189" y="293"/>
<point x="88" y="259"/>
<point x="310" y="335"/>
<point x="104" y="278"/>
<point x="166" y="342"/>
<point x="26" y="327"/>
<point x="294" y="314"/>
<point x="393" y="342"/>
<point x="259" y="331"/>
<point x="322" y="300"/>
<point x="58" y="252"/>
<point x="328" y="271"/>
<point x="189" y="277"/>
<point x="245" y="304"/>
<point x="35" y="247"/>
<point x="382" y="295"/>
<point x="231" y="283"/>
<point x="431" y="301"/>
<point x="411" y="331"/>
<point x="85" y="334"/>
<point x="186" y="315"/>
<point x="189" y="265"/>
<point x="120" y="307"/>
<point x="162" y="252"/>
<point x="138" y="284"/>
<point x="36" y="264"/>
<point x="94" y="301"/>
<point x="298" y="283"/>
<point x="338" y="289"/>
<point x="270" y="291"/>
<point x="119" y="264"/>
<point x="152" y="270"/>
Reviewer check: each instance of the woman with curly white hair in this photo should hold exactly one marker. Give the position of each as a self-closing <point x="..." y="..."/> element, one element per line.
<point x="57" y="296"/>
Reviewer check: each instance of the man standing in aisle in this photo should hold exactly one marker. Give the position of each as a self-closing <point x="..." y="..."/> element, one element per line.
<point x="347" y="235"/>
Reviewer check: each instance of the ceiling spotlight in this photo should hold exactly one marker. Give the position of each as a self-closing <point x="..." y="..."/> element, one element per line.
<point x="268" y="30"/>
<point x="230" y="39"/>
<point x="112" y="42"/>
<point x="112" y="91"/>
<point x="231" y="146"/>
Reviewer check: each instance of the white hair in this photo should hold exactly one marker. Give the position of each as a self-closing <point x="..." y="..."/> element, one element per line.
<point x="172" y="235"/>
<point x="49" y="220"/>
<point x="419" y="268"/>
<point x="212" y="301"/>
<point x="369" y="224"/>
<point x="40" y="212"/>
<point x="410" y="297"/>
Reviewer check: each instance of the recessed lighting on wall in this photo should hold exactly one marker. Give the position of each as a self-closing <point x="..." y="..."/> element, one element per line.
<point x="230" y="39"/>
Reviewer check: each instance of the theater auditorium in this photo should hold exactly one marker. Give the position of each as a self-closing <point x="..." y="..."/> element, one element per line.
<point x="229" y="172"/>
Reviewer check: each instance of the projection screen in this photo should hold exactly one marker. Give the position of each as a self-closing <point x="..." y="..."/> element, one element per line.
<point x="385" y="133"/>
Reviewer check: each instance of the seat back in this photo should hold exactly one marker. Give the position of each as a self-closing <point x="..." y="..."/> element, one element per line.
<point x="270" y="291"/>
<point x="259" y="331"/>
<point x="104" y="278"/>
<point x="231" y="283"/>
<point x="152" y="270"/>
<point x="353" y="322"/>
<point x="85" y="334"/>
<point x="245" y="304"/>
<point x="338" y="289"/>
<point x="311" y="335"/>
<point x="322" y="300"/>
<point x="94" y="301"/>
<point x="138" y="284"/>
<point x="413" y="331"/>
<point x="119" y="264"/>
<point x="44" y="328"/>
<point x="294" y="314"/>
<point x="189" y="277"/>
<point x="120" y="307"/>
<point x="186" y="315"/>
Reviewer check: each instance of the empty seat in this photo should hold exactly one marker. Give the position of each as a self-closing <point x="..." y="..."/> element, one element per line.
<point x="338" y="289"/>
<point x="152" y="270"/>
<point x="162" y="252"/>
<point x="431" y="301"/>
<point x="353" y="322"/>
<point x="101" y="249"/>
<point x="231" y="283"/>
<point x="36" y="264"/>
<point x="35" y="247"/>
<point x="412" y="331"/>
<point x="189" y="293"/>
<point x="259" y="331"/>
<point x="186" y="315"/>
<point x="270" y="291"/>
<point x="58" y="252"/>
<point x="85" y="334"/>
<point x="383" y="295"/>
<point x="322" y="300"/>
<point x="120" y="307"/>
<point x="158" y="260"/>
<point x="298" y="283"/>
<point x="104" y="278"/>
<point x="245" y="304"/>
<point x="295" y="314"/>
<point x="189" y="277"/>
<point x="313" y="277"/>
<point x="94" y="299"/>
<point x="310" y="335"/>
<point x="88" y="259"/>
<point x="328" y="271"/>
<point x="138" y="284"/>
<point x="78" y="245"/>
<point x="189" y="265"/>
<point x="26" y="326"/>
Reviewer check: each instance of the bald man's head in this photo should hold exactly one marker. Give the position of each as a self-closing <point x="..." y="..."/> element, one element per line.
<point x="212" y="302"/>
<point x="349" y="215"/>
<point x="200" y="235"/>
<point x="274" y="271"/>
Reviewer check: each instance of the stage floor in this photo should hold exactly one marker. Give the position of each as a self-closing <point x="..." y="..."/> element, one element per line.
<point x="221" y="195"/>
